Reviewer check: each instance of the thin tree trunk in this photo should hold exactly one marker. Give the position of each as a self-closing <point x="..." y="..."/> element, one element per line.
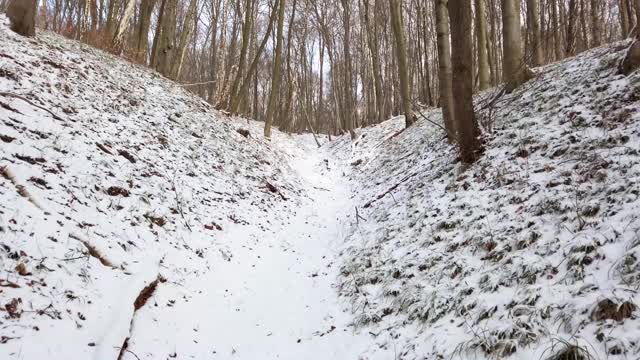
<point x="166" y="46"/>
<point x="624" y="17"/>
<point x="462" y="61"/>
<point x="533" y="13"/>
<point x="185" y="36"/>
<point x="395" y="8"/>
<point x="444" y="61"/>
<point x="514" y="69"/>
<point x="557" y="46"/>
<point x="275" y="81"/>
<point x="142" y="41"/>
<point x="123" y="25"/>
<point x="484" y="80"/>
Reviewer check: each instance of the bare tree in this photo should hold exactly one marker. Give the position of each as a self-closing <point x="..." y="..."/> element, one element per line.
<point x="445" y="73"/>
<point x="395" y="7"/>
<point x="275" y="81"/>
<point x="462" y="62"/>
<point x="533" y="21"/>
<point x="515" y="71"/>
<point x="484" y="79"/>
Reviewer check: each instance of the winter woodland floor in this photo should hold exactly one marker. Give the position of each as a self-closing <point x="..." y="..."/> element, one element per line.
<point x="136" y="222"/>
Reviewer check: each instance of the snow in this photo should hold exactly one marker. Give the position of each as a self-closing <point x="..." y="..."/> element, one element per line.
<point x="513" y="254"/>
<point x="241" y="233"/>
<point x="139" y="215"/>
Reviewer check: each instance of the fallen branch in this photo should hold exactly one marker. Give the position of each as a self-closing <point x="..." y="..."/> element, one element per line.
<point x="22" y="190"/>
<point x="7" y="94"/>
<point x="93" y="251"/>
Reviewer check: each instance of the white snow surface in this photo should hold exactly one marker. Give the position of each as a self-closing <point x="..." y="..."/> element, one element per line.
<point x="241" y="233"/>
<point x="219" y="246"/>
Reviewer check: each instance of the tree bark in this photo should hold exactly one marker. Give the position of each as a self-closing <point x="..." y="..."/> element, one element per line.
<point x="185" y="36"/>
<point x="515" y="72"/>
<point x="142" y="41"/>
<point x="246" y="33"/>
<point x="571" y="28"/>
<point x="533" y="13"/>
<point x="484" y="79"/>
<point x="275" y="81"/>
<point x="624" y="17"/>
<point x="395" y="7"/>
<point x="254" y="64"/>
<point x="462" y="61"/>
<point x="557" y="46"/>
<point x="123" y="25"/>
<point x="166" y="46"/>
<point x="444" y="61"/>
<point x="372" y="41"/>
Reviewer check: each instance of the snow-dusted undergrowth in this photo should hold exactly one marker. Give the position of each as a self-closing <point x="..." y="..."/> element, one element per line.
<point x="534" y="248"/>
<point x="134" y="215"/>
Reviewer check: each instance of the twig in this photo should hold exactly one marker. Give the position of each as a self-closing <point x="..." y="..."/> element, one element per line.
<point x="358" y="217"/>
<point x="449" y="134"/>
<point x="7" y="94"/>
<point x="179" y="205"/>
<point x="132" y="353"/>
<point x="74" y="258"/>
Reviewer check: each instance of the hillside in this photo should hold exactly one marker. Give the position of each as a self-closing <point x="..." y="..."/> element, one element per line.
<point x="133" y="213"/>
<point x="533" y="250"/>
<point x="136" y="222"/>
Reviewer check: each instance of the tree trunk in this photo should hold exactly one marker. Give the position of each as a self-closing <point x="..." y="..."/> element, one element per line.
<point x="624" y="17"/>
<point x="123" y="25"/>
<point x="557" y="46"/>
<point x="462" y="61"/>
<point x="595" y="23"/>
<point x="112" y="17"/>
<point x="372" y="40"/>
<point x="153" y="61"/>
<point x="515" y="71"/>
<point x="166" y="46"/>
<point x="142" y="41"/>
<point x="246" y="33"/>
<point x="484" y="80"/>
<point x="185" y="36"/>
<point x="533" y="13"/>
<point x="254" y="64"/>
<point x="444" y="61"/>
<point x="395" y="8"/>
<point x="571" y="28"/>
<point x="275" y="81"/>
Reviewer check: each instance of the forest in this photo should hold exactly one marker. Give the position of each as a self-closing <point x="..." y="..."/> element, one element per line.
<point x="320" y="179"/>
<point x="334" y="66"/>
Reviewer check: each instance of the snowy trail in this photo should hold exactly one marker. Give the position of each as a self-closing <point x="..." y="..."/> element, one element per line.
<point x="274" y="299"/>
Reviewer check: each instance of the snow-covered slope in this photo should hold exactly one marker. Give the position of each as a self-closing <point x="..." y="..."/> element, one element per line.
<point x="138" y="223"/>
<point x="533" y="251"/>
<point x="131" y="213"/>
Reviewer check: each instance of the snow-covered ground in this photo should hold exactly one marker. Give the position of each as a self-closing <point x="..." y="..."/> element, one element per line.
<point x="131" y="213"/>
<point x="533" y="252"/>
<point x="136" y="222"/>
